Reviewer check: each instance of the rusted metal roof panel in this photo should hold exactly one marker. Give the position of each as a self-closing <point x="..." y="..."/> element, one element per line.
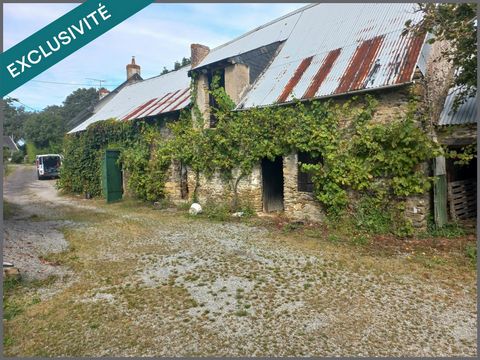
<point x="158" y="95"/>
<point x="335" y="49"/>
<point x="465" y="114"/>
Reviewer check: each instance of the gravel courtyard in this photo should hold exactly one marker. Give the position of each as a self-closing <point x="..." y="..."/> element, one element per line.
<point x="134" y="281"/>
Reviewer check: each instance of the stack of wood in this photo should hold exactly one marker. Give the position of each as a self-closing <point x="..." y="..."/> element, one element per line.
<point x="462" y="196"/>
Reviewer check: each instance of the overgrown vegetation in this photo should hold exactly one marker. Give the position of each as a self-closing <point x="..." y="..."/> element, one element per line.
<point x="140" y="155"/>
<point x="380" y="163"/>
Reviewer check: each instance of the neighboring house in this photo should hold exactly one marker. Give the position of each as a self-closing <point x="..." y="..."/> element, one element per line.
<point x="9" y="145"/>
<point x="160" y="97"/>
<point x="317" y="52"/>
<point x="104" y="96"/>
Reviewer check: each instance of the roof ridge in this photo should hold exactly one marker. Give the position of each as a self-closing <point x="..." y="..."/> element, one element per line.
<point x="303" y="8"/>
<point x="157" y="76"/>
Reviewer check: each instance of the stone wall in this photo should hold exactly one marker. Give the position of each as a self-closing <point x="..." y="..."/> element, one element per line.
<point x="417" y="209"/>
<point x="216" y="189"/>
<point x="457" y="135"/>
<point x="298" y="205"/>
<point x="202" y="100"/>
<point x="393" y="103"/>
<point x="173" y="183"/>
<point x="237" y="78"/>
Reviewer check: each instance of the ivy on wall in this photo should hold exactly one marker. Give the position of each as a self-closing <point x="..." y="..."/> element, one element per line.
<point x="81" y="168"/>
<point x="379" y="160"/>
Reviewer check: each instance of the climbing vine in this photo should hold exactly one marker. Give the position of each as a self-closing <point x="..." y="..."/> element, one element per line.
<point x="378" y="160"/>
<point x="462" y="156"/>
<point x="138" y="144"/>
<point x="381" y="160"/>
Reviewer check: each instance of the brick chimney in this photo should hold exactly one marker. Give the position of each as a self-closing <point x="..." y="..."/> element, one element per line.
<point x="132" y="68"/>
<point x="198" y="53"/>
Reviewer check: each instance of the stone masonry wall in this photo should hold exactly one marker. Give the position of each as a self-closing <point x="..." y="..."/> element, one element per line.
<point x="215" y="189"/>
<point x="298" y="205"/>
<point x="173" y="183"/>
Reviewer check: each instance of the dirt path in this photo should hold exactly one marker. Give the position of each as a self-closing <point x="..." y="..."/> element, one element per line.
<point x="160" y="283"/>
<point x="28" y="233"/>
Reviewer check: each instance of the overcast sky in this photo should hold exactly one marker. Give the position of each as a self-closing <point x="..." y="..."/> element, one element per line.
<point x="158" y="35"/>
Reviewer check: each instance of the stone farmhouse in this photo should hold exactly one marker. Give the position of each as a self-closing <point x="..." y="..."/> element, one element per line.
<point x="321" y="51"/>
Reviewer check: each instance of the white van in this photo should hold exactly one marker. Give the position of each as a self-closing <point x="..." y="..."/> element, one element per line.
<point x="48" y="166"/>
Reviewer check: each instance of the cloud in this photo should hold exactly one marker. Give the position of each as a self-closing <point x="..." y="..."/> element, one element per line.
<point x="158" y="36"/>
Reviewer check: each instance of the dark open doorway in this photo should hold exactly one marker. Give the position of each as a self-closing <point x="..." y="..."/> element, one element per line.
<point x="272" y="175"/>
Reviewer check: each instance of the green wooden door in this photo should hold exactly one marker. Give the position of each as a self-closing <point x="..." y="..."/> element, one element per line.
<point x="112" y="176"/>
<point x="440" y="192"/>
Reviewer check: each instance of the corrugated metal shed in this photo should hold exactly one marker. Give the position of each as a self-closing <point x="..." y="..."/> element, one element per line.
<point x="158" y="95"/>
<point x="465" y="114"/>
<point x="334" y="49"/>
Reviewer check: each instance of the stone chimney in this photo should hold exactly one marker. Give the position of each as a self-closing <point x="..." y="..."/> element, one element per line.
<point x="132" y="68"/>
<point x="102" y="93"/>
<point x="198" y="53"/>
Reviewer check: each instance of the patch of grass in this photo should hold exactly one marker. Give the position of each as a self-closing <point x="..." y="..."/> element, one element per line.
<point x="162" y="204"/>
<point x="333" y="238"/>
<point x="7" y="169"/>
<point x="7" y="341"/>
<point x="448" y="231"/>
<point x="185" y="206"/>
<point x="471" y="252"/>
<point x="291" y="226"/>
<point x="360" y="240"/>
<point x="241" y="313"/>
<point x="10" y="283"/>
<point x="429" y="261"/>
<point x="9" y="210"/>
<point x="11" y="309"/>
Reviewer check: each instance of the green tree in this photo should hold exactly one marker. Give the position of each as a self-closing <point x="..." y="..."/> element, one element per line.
<point x="14" y="118"/>
<point x="76" y="102"/>
<point x="45" y="129"/>
<point x="457" y="24"/>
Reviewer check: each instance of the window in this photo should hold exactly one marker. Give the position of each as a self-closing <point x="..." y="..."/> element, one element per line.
<point x="211" y="101"/>
<point x="305" y="181"/>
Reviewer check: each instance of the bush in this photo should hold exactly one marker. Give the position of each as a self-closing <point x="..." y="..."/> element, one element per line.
<point x="217" y="211"/>
<point x="372" y="216"/>
<point x="17" y="157"/>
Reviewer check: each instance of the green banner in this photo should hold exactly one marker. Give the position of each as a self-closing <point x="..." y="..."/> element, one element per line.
<point x="61" y="38"/>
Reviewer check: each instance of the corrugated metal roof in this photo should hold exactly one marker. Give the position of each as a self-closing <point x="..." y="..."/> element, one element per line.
<point x="465" y="114"/>
<point x="334" y="49"/>
<point x="154" y="96"/>
<point x="274" y="31"/>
